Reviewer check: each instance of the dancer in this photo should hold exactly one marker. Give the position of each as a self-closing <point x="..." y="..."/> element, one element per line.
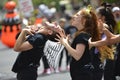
<point x="106" y="15"/>
<point x="30" y="44"/>
<point x="81" y="66"/>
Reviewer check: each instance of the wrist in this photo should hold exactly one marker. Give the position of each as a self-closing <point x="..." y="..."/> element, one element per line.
<point x="105" y="29"/>
<point x="66" y="44"/>
<point x="24" y="32"/>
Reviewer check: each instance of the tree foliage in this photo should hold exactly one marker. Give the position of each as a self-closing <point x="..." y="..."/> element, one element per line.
<point x="111" y="1"/>
<point x="49" y="3"/>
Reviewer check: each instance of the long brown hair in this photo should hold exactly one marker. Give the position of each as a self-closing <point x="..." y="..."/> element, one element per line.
<point x="90" y="26"/>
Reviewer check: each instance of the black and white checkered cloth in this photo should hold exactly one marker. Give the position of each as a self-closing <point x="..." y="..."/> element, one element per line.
<point x="52" y="51"/>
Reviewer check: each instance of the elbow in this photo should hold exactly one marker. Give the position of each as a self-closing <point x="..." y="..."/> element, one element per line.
<point x="16" y="50"/>
<point x="77" y="58"/>
<point x="110" y="42"/>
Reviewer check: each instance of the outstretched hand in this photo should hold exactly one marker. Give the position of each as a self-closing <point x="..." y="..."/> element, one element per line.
<point x="28" y="31"/>
<point x="53" y="26"/>
<point x="104" y="28"/>
<point x="63" y="38"/>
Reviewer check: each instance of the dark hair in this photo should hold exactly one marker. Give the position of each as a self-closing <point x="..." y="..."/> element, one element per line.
<point x="105" y="11"/>
<point x="52" y="37"/>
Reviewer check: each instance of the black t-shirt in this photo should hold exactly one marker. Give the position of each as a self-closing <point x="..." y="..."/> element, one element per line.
<point x="33" y="55"/>
<point x="95" y="58"/>
<point x="75" y="66"/>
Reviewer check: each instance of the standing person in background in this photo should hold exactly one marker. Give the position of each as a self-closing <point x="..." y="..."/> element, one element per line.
<point x="70" y="30"/>
<point x="105" y="14"/>
<point x="85" y="21"/>
<point x="62" y="23"/>
<point x="30" y="44"/>
<point x="46" y="67"/>
<point x="116" y="13"/>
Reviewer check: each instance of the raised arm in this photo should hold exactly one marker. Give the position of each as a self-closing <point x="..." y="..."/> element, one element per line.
<point x="111" y="38"/>
<point x="106" y="31"/>
<point x="21" y="43"/>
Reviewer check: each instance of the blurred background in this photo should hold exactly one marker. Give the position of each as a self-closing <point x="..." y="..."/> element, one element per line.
<point x="32" y="12"/>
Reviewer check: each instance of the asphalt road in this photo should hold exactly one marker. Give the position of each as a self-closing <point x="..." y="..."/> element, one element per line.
<point x="7" y="58"/>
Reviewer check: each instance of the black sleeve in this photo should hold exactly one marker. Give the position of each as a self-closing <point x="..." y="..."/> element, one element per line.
<point x="36" y="40"/>
<point x="82" y="38"/>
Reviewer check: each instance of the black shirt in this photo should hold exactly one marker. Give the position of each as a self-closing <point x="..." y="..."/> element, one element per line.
<point x="33" y="55"/>
<point x="76" y="66"/>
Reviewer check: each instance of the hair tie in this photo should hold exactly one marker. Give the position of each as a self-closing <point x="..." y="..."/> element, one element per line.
<point x="89" y="8"/>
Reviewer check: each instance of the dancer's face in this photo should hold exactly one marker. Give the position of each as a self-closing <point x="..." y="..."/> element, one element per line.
<point x="78" y="21"/>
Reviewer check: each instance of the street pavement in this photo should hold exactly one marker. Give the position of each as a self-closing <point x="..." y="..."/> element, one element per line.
<point x="7" y="58"/>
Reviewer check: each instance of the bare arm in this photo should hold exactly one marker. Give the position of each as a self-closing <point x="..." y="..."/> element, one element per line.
<point x="114" y="39"/>
<point x="21" y="43"/>
<point x="111" y="38"/>
<point x="75" y="53"/>
<point x="97" y="43"/>
<point x="63" y="39"/>
<point x="107" y="32"/>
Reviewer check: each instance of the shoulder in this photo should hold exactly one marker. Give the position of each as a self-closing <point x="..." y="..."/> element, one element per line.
<point x="83" y="34"/>
<point x="82" y="38"/>
<point x="38" y="36"/>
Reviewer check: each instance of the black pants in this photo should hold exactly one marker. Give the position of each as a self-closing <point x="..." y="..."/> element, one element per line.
<point x="109" y="70"/>
<point x="117" y="62"/>
<point x="98" y="73"/>
<point x="45" y="62"/>
<point x="68" y="57"/>
<point x="27" y="74"/>
<point x="84" y="73"/>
